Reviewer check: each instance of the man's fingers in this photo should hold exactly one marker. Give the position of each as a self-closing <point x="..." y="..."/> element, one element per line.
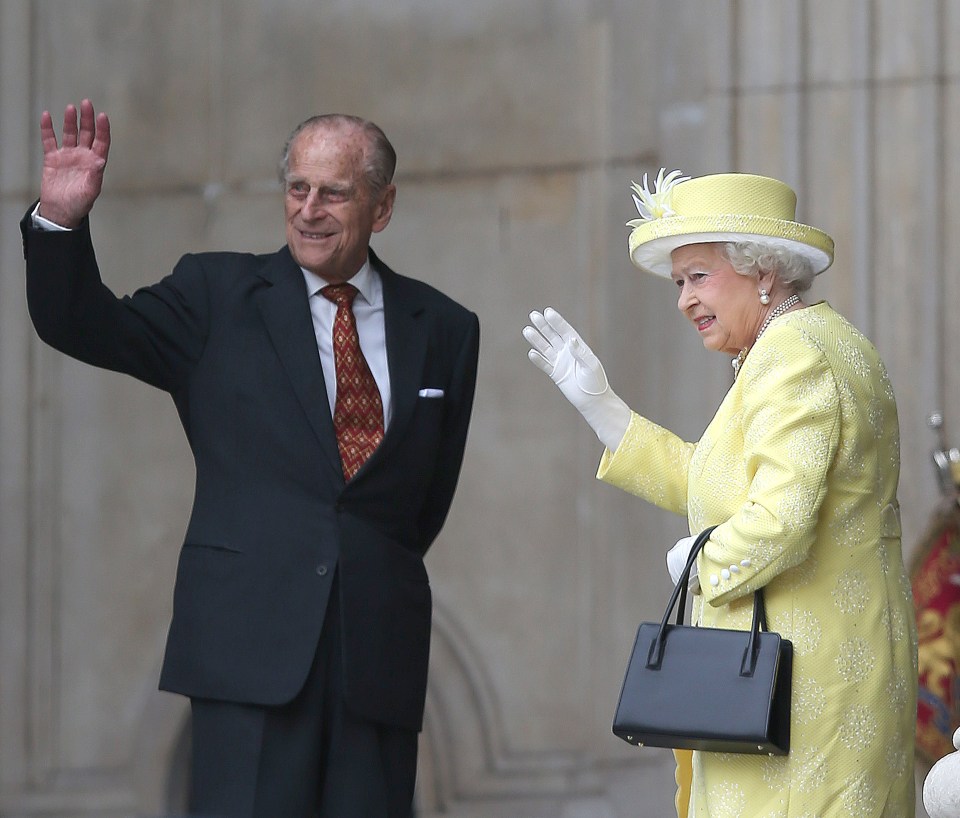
<point x="70" y="127"/>
<point x="88" y="124"/>
<point x="48" y="137"/>
<point x="94" y="130"/>
<point x="93" y="133"/>
<point x="101" y="141"/>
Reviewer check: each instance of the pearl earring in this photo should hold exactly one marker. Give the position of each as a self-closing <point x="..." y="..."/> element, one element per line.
<point x="764" y="297"/>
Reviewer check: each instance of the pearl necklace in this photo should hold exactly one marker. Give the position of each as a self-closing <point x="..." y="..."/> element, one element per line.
<point x="782" y="307"/>
<point x="779" y="310"/>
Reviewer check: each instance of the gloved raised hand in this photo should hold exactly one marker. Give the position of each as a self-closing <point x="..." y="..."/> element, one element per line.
<point x="558" y="350"/>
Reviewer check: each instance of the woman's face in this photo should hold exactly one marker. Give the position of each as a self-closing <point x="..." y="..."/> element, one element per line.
<point x="723" y="305"/>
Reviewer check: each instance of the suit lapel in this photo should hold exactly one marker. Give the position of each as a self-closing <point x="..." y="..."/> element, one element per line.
<point x="286" y="313"/>
<point x="404" y="317"/>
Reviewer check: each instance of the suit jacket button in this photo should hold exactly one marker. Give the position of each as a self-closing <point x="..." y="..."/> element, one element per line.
<point x="322" y="570"/>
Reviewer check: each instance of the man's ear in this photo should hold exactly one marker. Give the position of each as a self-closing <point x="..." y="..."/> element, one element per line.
<point x="383" y="211"/>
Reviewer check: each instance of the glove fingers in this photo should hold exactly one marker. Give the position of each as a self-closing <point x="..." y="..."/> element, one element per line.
<point x="540" y="362"/>
<point x="548" y="332"/>
<point x="560" y="325"/>
<point x="540" y="344"/>
<point x="582" y="353"/>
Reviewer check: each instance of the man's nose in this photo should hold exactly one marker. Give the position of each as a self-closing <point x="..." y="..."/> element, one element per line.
<point x="314" y="206"/>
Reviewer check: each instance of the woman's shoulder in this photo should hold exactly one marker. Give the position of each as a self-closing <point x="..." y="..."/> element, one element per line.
<point x="817" y="326"/>
<point x="820" y="332"/>
<point x="797" y="339"/>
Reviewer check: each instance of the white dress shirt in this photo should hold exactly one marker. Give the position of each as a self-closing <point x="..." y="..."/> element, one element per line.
<point x="368" y="311"/>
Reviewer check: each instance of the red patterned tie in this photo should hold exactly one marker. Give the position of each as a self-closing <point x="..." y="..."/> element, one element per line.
<point x="358" y="412"/>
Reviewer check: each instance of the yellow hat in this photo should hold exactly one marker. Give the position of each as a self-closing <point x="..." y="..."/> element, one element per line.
<point x="721" y="207"/>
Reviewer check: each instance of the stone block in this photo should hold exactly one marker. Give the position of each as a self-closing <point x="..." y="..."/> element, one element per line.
<point x="905" y="240"/>
<point x="16" y="342"/>
<point x="769" y="134"/>
<point x="906" y="39"/>
<point x="524" y="97"/>
<point x="16" y="126"/>
<point x="837" y="39"/>
<point x="767" y="47"/>
<point x="636" y="44"/>
<point x="950" y="179"/>
<point x="949" y="29"/>
<point x="834" y="195"/>
<point x="149" y="65"/>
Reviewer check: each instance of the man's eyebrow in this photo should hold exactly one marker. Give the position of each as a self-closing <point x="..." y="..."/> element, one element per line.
<point x="338" y="187"/>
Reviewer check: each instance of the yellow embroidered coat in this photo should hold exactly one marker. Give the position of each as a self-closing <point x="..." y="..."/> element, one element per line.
<point x="799" y="470"/>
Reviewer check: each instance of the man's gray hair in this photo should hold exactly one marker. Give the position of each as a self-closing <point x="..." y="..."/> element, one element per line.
<point x="748" y="258"/>
<point x="380" y="159"/>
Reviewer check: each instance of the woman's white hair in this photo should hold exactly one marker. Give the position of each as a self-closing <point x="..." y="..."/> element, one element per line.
<point x="748" y="258"/>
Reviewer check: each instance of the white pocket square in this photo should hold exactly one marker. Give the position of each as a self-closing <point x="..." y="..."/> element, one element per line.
<point x="430" y="393"/>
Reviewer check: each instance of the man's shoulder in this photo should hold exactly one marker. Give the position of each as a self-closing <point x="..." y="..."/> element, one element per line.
<point x="430" y="295"/>
<point x="229" y="267"/>
<point x="419" y="292"/>
<point x="233" y="259"/>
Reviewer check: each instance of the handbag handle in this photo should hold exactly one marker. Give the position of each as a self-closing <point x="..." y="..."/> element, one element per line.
<point x="749" y="662"/>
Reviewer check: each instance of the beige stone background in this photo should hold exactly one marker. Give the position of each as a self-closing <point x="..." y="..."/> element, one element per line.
<point x="519" y="124"/>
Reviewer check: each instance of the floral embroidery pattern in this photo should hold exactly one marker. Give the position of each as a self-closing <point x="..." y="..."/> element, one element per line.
<point x="809" y="700"/>
<point x="852" y="592"/>
<point x="859" y="798"/>
<point x="855" y="660"/>
<point x="858" y="728"/>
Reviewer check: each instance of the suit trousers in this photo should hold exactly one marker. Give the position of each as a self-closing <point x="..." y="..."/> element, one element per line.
<point x="310" y="758"/>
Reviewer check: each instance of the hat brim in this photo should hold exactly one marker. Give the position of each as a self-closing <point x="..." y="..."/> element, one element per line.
<point x="652" y="242"/>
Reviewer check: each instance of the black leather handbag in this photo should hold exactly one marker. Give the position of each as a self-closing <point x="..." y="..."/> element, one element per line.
<point x="710" y="689"/>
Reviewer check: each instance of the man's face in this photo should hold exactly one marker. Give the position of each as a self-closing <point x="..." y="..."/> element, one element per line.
<point x="330" y="212"/>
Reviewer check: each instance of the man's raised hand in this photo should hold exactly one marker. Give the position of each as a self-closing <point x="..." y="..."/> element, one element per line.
<point x="73" y="172"/>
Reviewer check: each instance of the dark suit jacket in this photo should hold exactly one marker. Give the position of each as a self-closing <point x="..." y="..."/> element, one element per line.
<point x="230" y="337"/>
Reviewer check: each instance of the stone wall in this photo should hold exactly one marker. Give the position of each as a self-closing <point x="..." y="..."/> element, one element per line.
<point x="519" y="128"/>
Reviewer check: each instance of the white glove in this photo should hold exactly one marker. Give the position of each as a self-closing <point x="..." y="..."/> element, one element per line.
<point x="677" y="559"/>
<point x="559" y="351"/>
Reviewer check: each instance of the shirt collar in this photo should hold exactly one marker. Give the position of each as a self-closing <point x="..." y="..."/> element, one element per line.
<point x="365" y="280"/>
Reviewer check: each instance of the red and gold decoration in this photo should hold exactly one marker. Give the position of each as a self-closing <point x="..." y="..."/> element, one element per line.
<point x="358" y="409"/>
<point x="935" y="577"/>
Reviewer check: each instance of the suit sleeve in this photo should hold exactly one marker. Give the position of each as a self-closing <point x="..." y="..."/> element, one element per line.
<point x="454" y="436"/>
<point x="155" y="335"/>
